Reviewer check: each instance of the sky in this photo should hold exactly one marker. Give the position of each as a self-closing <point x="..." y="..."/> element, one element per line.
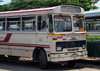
<point x="7" y="1"/>
<point x="98" y="4"/>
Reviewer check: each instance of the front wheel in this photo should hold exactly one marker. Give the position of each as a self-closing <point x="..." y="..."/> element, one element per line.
<point x="42" y="59"/>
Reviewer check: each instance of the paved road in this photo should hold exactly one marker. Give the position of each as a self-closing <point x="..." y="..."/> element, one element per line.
<point x="18" y="66"/>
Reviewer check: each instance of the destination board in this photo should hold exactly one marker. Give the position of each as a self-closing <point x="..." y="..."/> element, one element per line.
<point x="70" y="9"/>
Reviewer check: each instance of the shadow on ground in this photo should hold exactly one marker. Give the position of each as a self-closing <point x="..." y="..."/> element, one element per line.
<point x="32" y="66"/>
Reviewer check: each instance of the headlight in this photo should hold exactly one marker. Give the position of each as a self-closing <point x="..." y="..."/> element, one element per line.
<point x="59" y="48"/>
<point x="83" y="47"/>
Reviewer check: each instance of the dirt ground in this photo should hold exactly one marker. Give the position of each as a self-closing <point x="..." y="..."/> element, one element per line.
<point x="19" y="66"/>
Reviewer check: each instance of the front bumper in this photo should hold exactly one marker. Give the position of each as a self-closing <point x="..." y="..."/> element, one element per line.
<point x="68" y="56"/>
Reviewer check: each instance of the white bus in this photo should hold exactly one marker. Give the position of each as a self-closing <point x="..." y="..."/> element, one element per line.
<point x="52" y="34"/>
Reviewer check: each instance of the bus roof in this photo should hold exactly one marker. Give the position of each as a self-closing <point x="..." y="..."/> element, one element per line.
<point x="56" y="9"/>
<point x="92" y="13"/>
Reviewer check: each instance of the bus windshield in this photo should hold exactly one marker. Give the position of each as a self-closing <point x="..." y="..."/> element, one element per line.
<point x="62" y="23"/>
<point x="78" y="22"/>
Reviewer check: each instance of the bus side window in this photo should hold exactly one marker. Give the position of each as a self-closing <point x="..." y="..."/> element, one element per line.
<point x="42" y="23"/>
<point x="2" y="24"/>
<point x="28" y="23"/>
<point x="50" y="24"/>
<point x="13" y="23"/>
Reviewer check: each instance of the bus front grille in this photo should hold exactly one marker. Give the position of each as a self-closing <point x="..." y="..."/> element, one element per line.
<point x="70" y="44"/>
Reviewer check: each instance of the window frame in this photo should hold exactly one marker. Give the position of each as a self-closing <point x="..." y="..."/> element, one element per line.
<point x="19" y="16"/>
<point x="32" y="30"/>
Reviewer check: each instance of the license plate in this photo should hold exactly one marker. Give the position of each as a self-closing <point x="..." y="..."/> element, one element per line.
<point x="74" y="55"/>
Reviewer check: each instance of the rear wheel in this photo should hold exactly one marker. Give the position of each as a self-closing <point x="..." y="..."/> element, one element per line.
<point x="71" y="63"/>
<point x="42" y="59"/>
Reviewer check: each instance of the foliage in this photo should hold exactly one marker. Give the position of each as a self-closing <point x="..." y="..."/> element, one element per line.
<point x="86" y="4"/>
<point x="32" y="4"/>
<point x="1" y="0"/>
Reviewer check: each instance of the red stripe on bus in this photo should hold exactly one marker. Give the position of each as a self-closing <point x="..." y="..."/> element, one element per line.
<point x="27" y="11"/>
<point x="22" y="45"/>
<point x="7" y="38"/>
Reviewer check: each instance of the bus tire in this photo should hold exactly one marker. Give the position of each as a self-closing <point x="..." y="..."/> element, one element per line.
<point x="71" y="63"/>
<point x="42" y="59"/>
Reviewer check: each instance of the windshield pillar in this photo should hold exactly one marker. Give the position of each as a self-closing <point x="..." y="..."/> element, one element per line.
<point x="72" y="23"/>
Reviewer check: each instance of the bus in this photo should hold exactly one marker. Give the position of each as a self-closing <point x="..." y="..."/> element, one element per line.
<point x="92" y="19"/>
<point x="54" y="34"/>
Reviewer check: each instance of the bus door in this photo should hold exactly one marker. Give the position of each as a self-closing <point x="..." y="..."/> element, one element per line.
<point x="42" y="36"/>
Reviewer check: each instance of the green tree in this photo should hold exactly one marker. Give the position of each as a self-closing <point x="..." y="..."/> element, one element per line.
<point x="86" y="4"/>
<point x="1" y="0"/>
